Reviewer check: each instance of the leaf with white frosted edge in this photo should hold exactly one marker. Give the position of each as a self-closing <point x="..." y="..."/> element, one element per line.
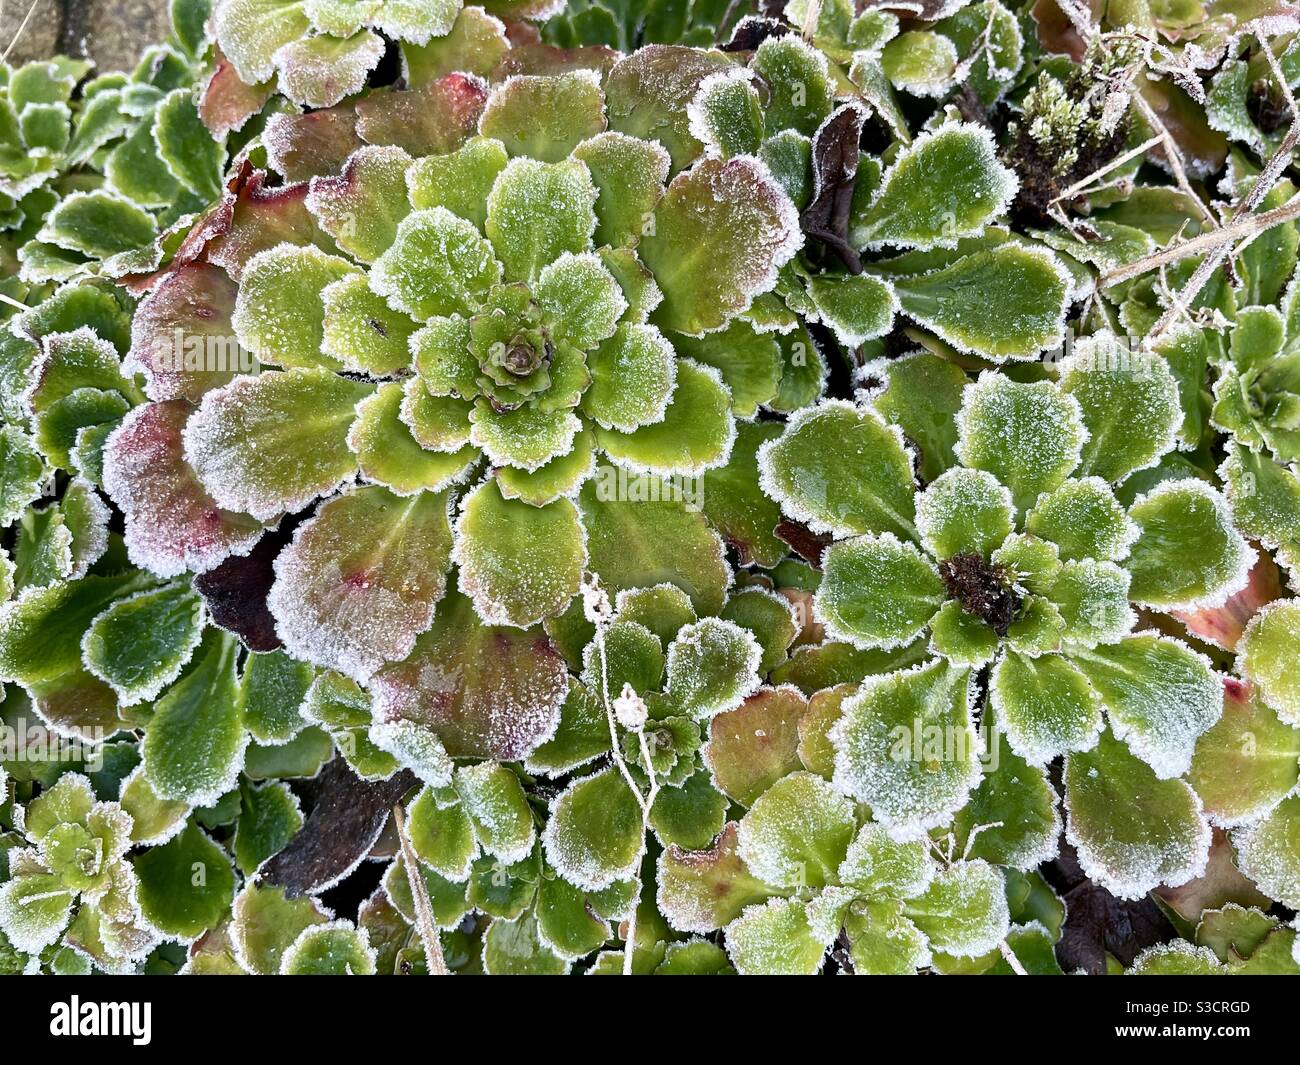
<point x="877" y="591"/>
<point x="272" y="687"/>
<point x="459" y="181"/>
<point x="856" y="308"/>
<point x="906" y="747"/>
<point x="1265" y="500"/>
<point x="250" y="32"/>
<point x="712" y="667"/>
<point x="438" y="423"/>
<point x="563" y="475"/>
<point x="1028" y="315"/>
<point x="800" y="84"/>
<point x="191" y="153"/>
<point x="388" y="453"/>
<point x="272" y="443"/>
<point x="140" y="644"/>
<point x="1266" y="655"/>
<point x="1093" y="601"/>
<point x="797" y="832"/>
<point x="361" y="331"/>
<point x="182" y="338"/>
<point x="720" y="235"/>
<point x="593" y="836"/>
<point x="1022" y="798"/>
<point x="726" y="114"/>
<point x="1130" y="406"/>
<point x="361" y="578"/>
<point x="265" y="922"/>
<point x="1268" y="852"/>
<point x="1045" y="706"/>
<point x="335" y="948"/>
<point x="97" y="224"/>
<point x="1133" y="831"/>
<point x="22" y="472"/>
<point x="172" y="523"/>
<point x="438" y="264"/>
<point x="194" y="744"/>
<point x="154" y="820"/>
<point x="415" y="21"/>
<point x="417" y="749"/>
<point x="545" y="116"/>
<point x="487" y="692"/>
<point x="1248" y="761"/>
<point x="1084" y="520"/>
<point x="946" y="185"/>
<point x="519" y="563"/>
<point x="34" y="910"/>
<point x="629" y="174"/>
<point x="753" y="746"/>
<point x="695" y="432"/>
<point x="581" y="299"/>
<point x="362" y="207"/>
<point x="1160" y="696"/>
<point x="920" y="62"/>
<point x="1176" y="958"/>
<point x="633" y="377"/>
<point x="1189" y="553"/>
<point x="1028" y="435"/>
<point x="442" y="836"/>
<point x="964" y="511"/>
<point x="640" y="534"/>
<point x="279" y="315"/>
<point x="538" y="212"/>
<point x="775" y="939"/>
<point x="964" y="910"/>
<point x="269" y="817"/>
<point x="494" y="800"/>
<point x="841" y="469"/>
<point x="320" y="71"/>
<point x="875" y="863"/>
<point x="700" y="891"/>
<point x="515" y="948"/>
<point x="526" y="437"/>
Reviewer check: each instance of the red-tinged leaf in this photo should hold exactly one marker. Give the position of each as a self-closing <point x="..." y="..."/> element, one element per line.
<point x="172" y="524"/>
<point x="429" y="121"/>
<point x="1223" y="625"/>
<point x="835" y="168"/>
<point x="226" y="102"/>
<point x="300" y="147"/>
<point x="235" y="592"/>
<point x="262" y="218"/>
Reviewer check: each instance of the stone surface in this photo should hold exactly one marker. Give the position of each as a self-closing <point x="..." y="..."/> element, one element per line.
<point x="111" y="32"/>
<point x="39" y="38"/>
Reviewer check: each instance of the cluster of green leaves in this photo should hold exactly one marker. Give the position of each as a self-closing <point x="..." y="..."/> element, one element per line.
<point x="681" y="488"/>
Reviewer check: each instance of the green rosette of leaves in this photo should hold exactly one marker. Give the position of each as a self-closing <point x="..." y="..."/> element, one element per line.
<point x="1019" y="558"/>
<point x="95" y="172"/>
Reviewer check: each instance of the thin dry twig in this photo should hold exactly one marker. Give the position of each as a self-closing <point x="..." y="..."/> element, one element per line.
<point x="429" y="937"/>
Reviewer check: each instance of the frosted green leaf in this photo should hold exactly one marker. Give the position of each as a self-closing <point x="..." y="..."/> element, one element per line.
<point x="593" y="836"/>
<point x="1268" y="852"/>
<point x="192" y="154"/>
<point x="857" y="308"/>
<point x="418" y="750"/>
<point x="1133" y="831"/>
<point x="265" y="922"/>
<point x="581" y="298"/>
<point x="1045" y="706"/>
<point x="1267" y="647"/>
<point x="801" y="92"/>
<point x="630" y="175"/>
<point x="877" y="864"/>
<point x="415" y="21"/>
<point x="753" y="746"/>
<point x="906" y="747"/>
<point x="719" y="236"/>
<point x="320" y="71"/>
<point x="964" y="511"/>
<point x="194" y="745"/>
<point x="920" y="62"/>
<point x="250" y="32"/>
<point x="515" y="948"/>
<point x="459" y="181"/>
<point x="1020" y="796"/>
<point x="332" y="949"/>
<point x="538" y="211"/>
<point x="563" y="475"/>
<point x="1160" y="696"/>
<point x="1248" y="761"/>
<point x="736" y="505"/>
<point x="961" y="637"/>
<point x="272" y="443"/>
<point x="630" y="654"/>
<point x="842" y="470"/>
<point x="1188" y="555"/>
<point x="954" y="303"/>
<point x="389" y="454"/>
<point x="877" y="592"/>
<point x="442" y="836"/>
<point x="545" y="116"/>
<point x="360" y="579"/>
<point x="97" y="224"/>
<point x="750" y="361"/>
<point x="34" y="910"/>
<point x="696" y="430"/>
<point x="271" y="688"/>
<point x="494" y="800"/>
<point x="279" y="315"/>
<point x="702" y="890"/>
<point x="518" y="562"/>
<point x="1130" y="406"/>
<point x="1084" y="520"/>
<point x="964" y="910"/>
<point x="1176" y="958"/>
<point x="1093" y="600"/>
<point x="945" y="186"/>
<point x="775" y="939"/>
<point x="726" y="115"/>
<point x="797" y="832"/>
<point x="362" y="207"/>
<point x="153" y="820"/>
<point x="438" y="265"/>
<point x="140" y="644"/>
<point x="269" y="818"/>
<point x="527" y="437"/>
<point x="1028" y="436"/>
<point x="22" y="470"/>
<point x="712" y="667"/>
<point x="443" y="360"/>
<point x="361" y="331"/>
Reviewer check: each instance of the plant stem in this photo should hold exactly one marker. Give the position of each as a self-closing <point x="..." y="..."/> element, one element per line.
<point x="433" y="958"/>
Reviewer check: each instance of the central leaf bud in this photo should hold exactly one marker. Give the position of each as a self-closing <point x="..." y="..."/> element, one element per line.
<point x="520" y="357"/>
<point x="982" y="588"/>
